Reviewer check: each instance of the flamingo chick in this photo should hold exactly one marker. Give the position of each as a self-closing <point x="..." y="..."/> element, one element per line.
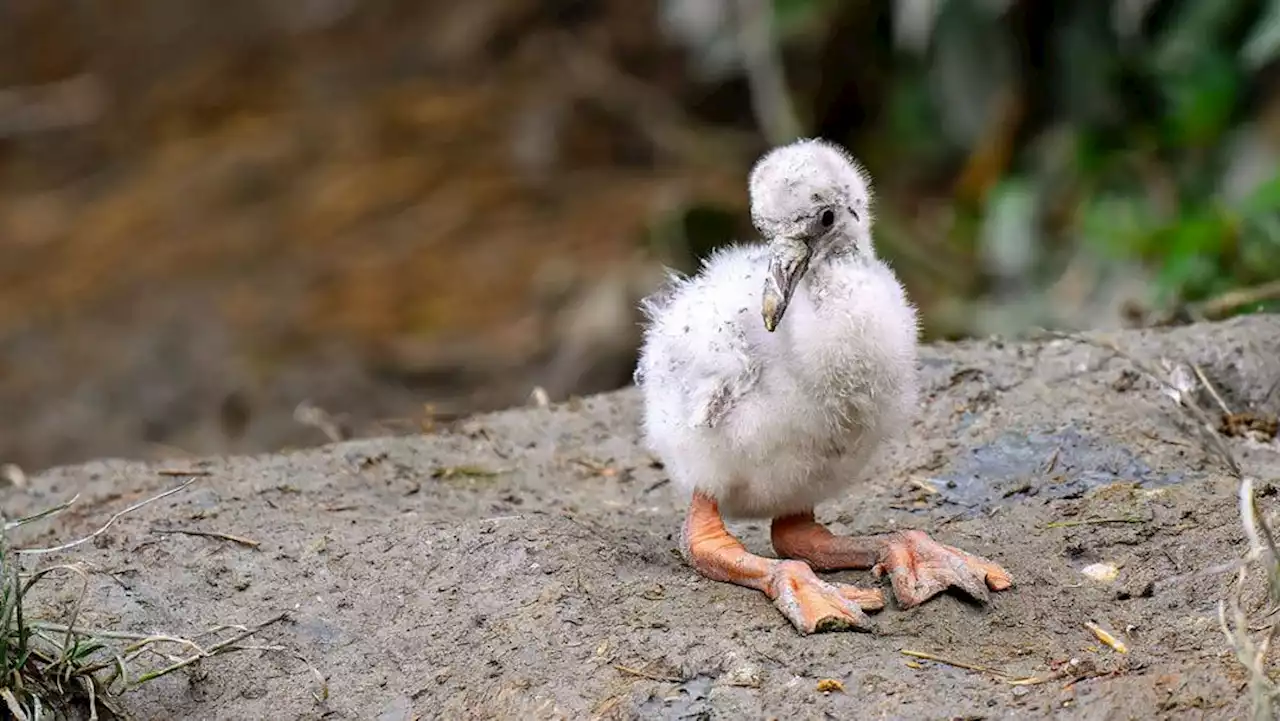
<point x="766" y="420"/>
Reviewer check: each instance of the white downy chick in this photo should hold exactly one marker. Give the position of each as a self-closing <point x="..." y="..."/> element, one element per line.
<point x="766" y="416"/>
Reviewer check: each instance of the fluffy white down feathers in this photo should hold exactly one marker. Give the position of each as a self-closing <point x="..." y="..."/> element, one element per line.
<point x="766" y="423"/>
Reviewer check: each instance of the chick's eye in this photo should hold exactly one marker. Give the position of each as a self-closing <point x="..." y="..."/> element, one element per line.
<point x="828" y="217"/>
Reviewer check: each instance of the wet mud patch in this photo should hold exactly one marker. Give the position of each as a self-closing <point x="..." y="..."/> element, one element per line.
<point x="1045" y="464"/>
<point x="688" y="700"/>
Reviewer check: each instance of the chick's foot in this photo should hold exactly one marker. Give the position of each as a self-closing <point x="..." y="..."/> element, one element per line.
<point x="809" y="603"/>
<point x="920" y="568"/>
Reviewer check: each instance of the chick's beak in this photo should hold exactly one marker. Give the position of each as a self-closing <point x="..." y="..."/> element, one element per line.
<point x="788" y="260"/>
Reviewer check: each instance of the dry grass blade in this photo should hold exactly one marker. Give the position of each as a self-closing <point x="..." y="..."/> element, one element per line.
<point x="1093" y="521"/>
<point x="645" y="674"/>
<point x="91" y="692"/>
<point x="248" y="542"/>
<point x="220" y="647"/>
<point x="1204" y="381"/>
<point x="1252" y="654"/>
<point x="323" y="694"/>
<point x="15" y="708"/>
<point x="957" y="664"/>
<point x="770" y="98"/>
<point x="1255" y="530"/>
<point x="42" y="515"/>
<point x="108" y="524"/>
<point x="63" y="670"/>
<point x="922" y="485"/>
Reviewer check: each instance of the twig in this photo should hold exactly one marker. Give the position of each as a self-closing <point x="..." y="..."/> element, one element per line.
<point x="1266" y="398"/>
<point x="657" y="484"/>
<point x="209" y="534"/>
<point x="1091" y="521"/>
<point x="958" y="664"/>
<point x="1053" y="461"/>
<point x="179" y="472"/>
<point x="1072" y="670"/>
<point x="1222" y="305"/>
<point x="1037" y="680"/>
<point x="646" y="674"/>
<point x="105" y="526"/>
<point x="1204" y="380"/>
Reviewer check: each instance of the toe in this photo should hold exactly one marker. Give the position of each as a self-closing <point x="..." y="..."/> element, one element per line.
<point x="867" y="599"/>
<point x="922" y="568"/>
<point x="997" y="578"/>
<point x="812" y="605"/>
<point x="972" y="584"/>
<point x="828" y="609"/>
<point x="835" y="622"/>
<point x="912" y="587"/>
<point x="994" y="576"/>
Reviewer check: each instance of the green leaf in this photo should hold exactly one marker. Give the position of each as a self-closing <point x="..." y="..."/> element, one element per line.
<point x="791" y="16"/>
<point x="1118" y="226"/>
<point x="1201" y="99"/>
<point x="1265" y="199"/>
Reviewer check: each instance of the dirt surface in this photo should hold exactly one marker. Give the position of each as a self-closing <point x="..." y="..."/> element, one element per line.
<point x="422" y="587"/>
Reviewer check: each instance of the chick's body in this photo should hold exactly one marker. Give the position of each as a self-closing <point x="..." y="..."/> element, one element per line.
<point x="766" y="423"/>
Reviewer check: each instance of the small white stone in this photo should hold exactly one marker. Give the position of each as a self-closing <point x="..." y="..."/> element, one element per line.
<point x="1101" y="572"/>
<point x="745" y="675"/>
<point x="13" y="474"/>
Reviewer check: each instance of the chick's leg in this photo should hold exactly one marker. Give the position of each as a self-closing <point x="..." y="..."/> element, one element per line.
<point x="918" y="566"/>
<point x="810" y="603"/>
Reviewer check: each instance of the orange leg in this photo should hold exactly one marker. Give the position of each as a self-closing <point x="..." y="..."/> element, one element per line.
<point x="918" y="566"/>
<point x="810" y="603"/>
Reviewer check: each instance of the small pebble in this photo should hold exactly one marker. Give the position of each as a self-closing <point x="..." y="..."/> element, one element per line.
<point x="1101" y="572"/>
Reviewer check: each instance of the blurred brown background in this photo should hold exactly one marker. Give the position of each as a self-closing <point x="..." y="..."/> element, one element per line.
<point x="244" y="225"/>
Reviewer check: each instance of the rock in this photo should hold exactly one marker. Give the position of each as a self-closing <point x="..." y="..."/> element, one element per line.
<point x="452" y="602"/>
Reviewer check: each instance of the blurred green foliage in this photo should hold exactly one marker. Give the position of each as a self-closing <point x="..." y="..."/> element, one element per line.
<point x="1133" y="131"/>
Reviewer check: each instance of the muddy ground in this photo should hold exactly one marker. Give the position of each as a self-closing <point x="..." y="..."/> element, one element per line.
<point x="422" y="585"/>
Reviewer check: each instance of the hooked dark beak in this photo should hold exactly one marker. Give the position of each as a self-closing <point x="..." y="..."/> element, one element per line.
<point x="788" y="260"/>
